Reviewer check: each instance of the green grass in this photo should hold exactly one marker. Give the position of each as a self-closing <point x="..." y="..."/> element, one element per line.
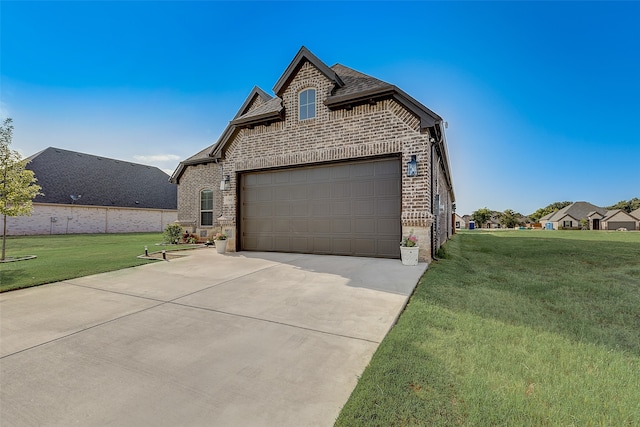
<point x="61" y="257"/>
<point x="513" y="328"/>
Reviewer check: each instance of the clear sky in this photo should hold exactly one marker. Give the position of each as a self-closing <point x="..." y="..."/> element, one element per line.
<point x="542" y="99"/>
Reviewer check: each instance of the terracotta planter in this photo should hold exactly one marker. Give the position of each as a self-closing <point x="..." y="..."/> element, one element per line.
<point x="221" y="246"/>
<point x="409" y="255"/>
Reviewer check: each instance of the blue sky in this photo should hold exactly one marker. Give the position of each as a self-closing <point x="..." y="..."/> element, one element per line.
<point x="542" y="99"/>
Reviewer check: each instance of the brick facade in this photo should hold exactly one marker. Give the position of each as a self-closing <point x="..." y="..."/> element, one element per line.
<point x="374" y="129"/>
<point x="50" y="218"/>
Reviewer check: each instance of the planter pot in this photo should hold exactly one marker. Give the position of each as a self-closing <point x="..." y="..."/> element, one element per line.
<point x="409" y="256"/>
<point x="221" y="246"/>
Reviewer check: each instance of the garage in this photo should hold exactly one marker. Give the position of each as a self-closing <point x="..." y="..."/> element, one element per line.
<point x="350" y="208"/>
<point x="614" y="225"/>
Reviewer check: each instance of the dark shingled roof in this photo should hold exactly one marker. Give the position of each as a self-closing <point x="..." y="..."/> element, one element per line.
<point x="351" y="88"/>
<point x="100" y="181"/>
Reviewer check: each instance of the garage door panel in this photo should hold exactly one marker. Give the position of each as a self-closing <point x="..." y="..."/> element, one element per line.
<point x="343" y="209"/>
<point x="387" y="169"/>
<point x="299" y="209"/>
<point x="281" y="225"/>
<point x="387" y="187"/>
<point x="341" y="225"/>
<point x="364" y="189"/>
<point x="363" y="170"/>
<point x="282" y="209"/>
<point x="614" y="225"/>
<point x="363" y="207"/>
<point x="321" y="190"/>
<point x="341" y="246"/>
<point x="283" y="177"/>
<point x="364" y="247"/>
<point x="299" y="225"/>
<point x="340" y="173"/>
<point x="264" y="179"/>
<point x="320" y="209"/>
<point x="281" y="194"/>
<point x="390" y="226"/>
<point x="386" y="206"/>
<point x="364" y="226"/>
<point x="340" y="189"/>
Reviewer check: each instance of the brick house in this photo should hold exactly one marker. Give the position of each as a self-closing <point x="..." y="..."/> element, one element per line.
<point x="84" y="193"/>
<point x="336" y="162"/>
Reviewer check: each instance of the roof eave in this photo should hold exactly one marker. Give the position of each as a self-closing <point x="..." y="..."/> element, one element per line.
<point x="302" y="55"/>
<point x="263" y="118"/>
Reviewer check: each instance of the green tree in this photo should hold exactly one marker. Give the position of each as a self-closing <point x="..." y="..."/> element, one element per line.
<point x="18" y="185"/>
<point x="481" y="216"/>
<point x="509" y="218"/>
<point x="556" y="206"/>
<point x="626" y="205"/>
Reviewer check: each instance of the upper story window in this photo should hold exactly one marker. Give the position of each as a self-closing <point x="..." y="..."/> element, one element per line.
<point x="307" y="104"/>
<point x="206" y="207"/>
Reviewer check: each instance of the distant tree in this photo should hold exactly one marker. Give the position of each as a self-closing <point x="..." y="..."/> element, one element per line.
<point x="627" y="205"/>
<point x="17" y="184"/>
<point x="553" y="207"/>
<point x="509" y="218"/>
<point x="481" y="216"/>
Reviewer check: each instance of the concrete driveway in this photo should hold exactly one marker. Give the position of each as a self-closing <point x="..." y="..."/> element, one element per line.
<point x="242" y="339"/>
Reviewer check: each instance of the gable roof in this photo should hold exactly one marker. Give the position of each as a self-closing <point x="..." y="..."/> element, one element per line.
<point x="305" y="55"/>
<point x="351" y="88"/>
<point x="610" y="214"/>
<point x="100" y="181"/>
<point x="635" y="214"/>
<point x="577" y="210"/>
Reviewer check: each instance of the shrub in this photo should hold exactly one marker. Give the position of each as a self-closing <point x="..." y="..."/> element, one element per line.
<point x="172" y="233"/>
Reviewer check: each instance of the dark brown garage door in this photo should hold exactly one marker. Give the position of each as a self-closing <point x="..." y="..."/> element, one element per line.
<point x="340" y="209"/>
<point x="614" y="225"/>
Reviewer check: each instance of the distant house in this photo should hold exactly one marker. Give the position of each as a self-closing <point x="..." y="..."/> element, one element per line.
<point x="83" y="193"/>
<point x="636" y="215"/>
<point x="460" y="222"/>
<point x="570" y="217"/>
<point x="617" y="218"/>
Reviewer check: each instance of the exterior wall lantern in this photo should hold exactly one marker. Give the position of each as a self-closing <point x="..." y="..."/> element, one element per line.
<point x="225" y="184"/>
<point x="412" y="166"/>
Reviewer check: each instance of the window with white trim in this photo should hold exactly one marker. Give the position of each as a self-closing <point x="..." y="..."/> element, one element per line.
<point x="307" y="104"/>
<point x="206" y="208"/>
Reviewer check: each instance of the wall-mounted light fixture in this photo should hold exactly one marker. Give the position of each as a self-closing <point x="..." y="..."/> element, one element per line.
<point x="225" y="184"/>
<point x="412" y="166"/>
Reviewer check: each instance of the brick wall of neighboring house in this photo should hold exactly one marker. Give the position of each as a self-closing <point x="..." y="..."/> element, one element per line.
<point x="48" y="218"/>
<point x="384" y="128"/>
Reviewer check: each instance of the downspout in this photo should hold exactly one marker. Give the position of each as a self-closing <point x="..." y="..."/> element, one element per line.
<point x="433" y="228"/>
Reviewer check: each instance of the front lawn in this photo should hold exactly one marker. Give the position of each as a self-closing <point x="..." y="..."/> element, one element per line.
<point x="513" y="328"/>
<point x="61" y="257"/>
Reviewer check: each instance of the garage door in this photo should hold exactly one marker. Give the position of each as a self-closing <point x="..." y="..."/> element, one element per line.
<point x="341" y="209"/>
<point x="614" y="225"/>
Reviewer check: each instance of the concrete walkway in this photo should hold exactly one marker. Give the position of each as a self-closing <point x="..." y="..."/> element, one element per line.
<point x="242" y="339"/>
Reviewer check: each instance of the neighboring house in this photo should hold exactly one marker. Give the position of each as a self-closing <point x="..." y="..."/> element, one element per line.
<point x="571" y="215"/>
<point x="335" y="162"/>
<point x="618" y="218"/>
<point x="636" y="215"/>
<point x="460" y="222"/>
<point x="83" y="193"/>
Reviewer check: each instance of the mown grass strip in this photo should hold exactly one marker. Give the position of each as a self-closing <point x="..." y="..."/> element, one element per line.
<point x="62" y="257"/>
<point x="524" y="328"/>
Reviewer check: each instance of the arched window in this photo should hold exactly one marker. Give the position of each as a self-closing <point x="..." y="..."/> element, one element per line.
<point x="307" y="104"/>
<point x="206" y="207"/>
